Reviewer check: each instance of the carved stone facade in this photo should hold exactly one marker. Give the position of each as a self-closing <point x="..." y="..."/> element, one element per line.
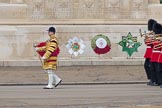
<point x="50" y="10"/>
<point x="24" y="22"/>
<point x="154" y="1"/>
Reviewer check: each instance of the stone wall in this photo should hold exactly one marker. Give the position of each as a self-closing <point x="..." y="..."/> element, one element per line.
<point x="24" y="22"/>
<point x="21" y="38"/>
<point x="77" y="11"/>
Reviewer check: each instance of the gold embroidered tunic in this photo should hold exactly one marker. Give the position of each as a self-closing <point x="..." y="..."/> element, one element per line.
<point x="50" y="61"/>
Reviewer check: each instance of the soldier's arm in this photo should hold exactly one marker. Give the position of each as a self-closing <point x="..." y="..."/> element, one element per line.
<point x="39" y="49"/>
<point x="52" y="47"/>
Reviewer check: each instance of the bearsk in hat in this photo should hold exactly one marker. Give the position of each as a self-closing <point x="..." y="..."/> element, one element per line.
<point x="151" y="22"/>
<point x="157" y="28"/>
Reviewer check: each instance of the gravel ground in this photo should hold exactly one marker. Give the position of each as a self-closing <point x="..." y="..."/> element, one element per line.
<point x="75" y="74"/>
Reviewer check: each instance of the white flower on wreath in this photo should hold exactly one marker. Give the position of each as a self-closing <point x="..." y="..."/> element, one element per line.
<point x="75" y="46"/>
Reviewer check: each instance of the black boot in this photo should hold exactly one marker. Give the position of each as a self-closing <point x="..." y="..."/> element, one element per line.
<point x="154" y="84"/>
<point x="149" y="83"/>
<point x="161" y="86"/>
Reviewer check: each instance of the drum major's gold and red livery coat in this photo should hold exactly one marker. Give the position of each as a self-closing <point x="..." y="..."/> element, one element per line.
<point x="50" y="51"/>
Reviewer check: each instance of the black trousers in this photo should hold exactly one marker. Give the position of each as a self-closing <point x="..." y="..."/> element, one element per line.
<point x="159" y="73"/>
<point x="147" y="68"/>
<point x="154" y="72"/>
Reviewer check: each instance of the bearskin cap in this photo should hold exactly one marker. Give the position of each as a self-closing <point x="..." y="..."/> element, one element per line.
<point x="157" y="28"/>
<point x="52" y="29"/>
<point x="151" y="22"/>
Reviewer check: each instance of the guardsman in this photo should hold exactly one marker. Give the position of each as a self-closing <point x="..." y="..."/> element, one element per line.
<point x="160" y="66"/>
<point x="157" y="28"/>
<point x="49" y="51"/>
<point x="148" y="52"/>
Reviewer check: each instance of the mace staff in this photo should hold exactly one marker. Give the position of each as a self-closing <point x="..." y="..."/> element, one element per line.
<point x="34" y="45"/>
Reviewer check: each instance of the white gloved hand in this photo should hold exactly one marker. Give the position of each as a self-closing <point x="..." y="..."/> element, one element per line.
<point x="43" y="58"/>
<point x="35" y="45"/>
<point x="36" y="48"/>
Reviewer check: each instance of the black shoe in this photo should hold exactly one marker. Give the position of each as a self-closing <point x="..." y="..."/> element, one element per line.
<point x="58" y="83"/>
<point x="154" y="84"/>
<point x="160" y="86"/>
<point x="149" y="83"/>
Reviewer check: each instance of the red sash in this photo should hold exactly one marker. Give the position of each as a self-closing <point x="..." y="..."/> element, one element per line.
<point x="41" y="53"/>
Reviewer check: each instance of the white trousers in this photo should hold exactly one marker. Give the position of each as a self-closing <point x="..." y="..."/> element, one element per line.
<point x="52" y="77"/>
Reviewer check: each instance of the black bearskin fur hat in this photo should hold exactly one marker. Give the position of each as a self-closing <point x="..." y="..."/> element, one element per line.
<point x="151" y="22"/>
<point x="52" y="29"/>
<point x="157" y="28"/>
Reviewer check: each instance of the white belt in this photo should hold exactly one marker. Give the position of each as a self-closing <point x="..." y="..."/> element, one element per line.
<point x="148" y="47"/>
<point x="160" y="51"/>
<point x="156" y="51"/>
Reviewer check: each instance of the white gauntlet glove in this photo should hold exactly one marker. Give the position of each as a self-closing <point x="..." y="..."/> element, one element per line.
<point x="36" y="49"/>
<point x="35" y="45"/>
<point x="43" y="58"/>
